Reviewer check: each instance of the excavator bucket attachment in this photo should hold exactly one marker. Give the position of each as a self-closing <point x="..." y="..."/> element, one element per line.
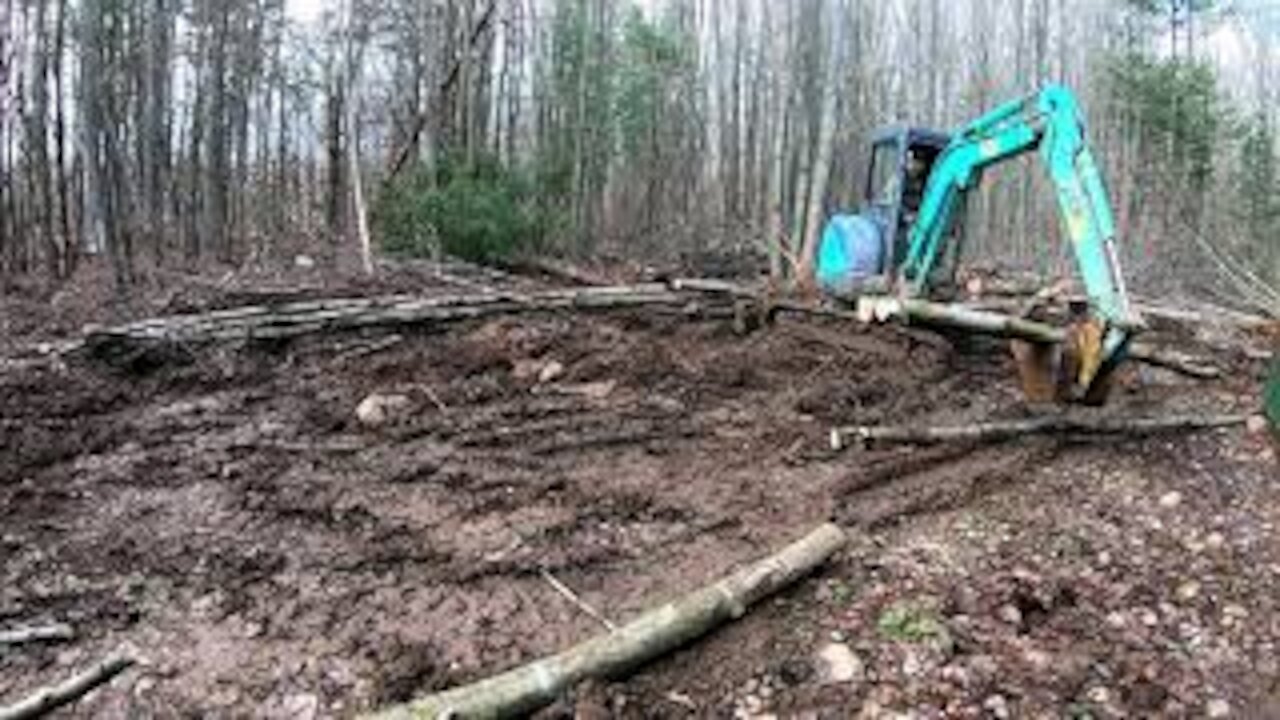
<point x="1038" y="367"/>
<point x="1070" y="372"/>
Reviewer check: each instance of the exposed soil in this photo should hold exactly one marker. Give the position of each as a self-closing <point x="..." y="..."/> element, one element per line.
<point x="222" y="510"/>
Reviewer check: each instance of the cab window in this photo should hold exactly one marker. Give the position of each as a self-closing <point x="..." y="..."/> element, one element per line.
<point x="884" y="174"/>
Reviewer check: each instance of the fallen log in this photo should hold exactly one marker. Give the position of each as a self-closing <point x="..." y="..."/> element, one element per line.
<point x="1183" y="363"/>
<point x="998" y="430"/>
<point x="872" y="309"/>
<point x="924" y="312"/>
<point x="50" y="698"/>
<point x="653" y="634"/>
<point x="41" y="633"/>
<point x="1205" y="314"/>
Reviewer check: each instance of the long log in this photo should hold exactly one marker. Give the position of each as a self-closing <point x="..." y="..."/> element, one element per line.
<point x="75" y="687"/>
<point x="1183" y="363"/>
<point x="653" y="634"/>
<point x="998" y="430"/>
<point x="924" y="312"/>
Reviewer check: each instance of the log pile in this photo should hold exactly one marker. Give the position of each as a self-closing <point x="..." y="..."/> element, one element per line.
<point x="698" y="297"/>
<point x="298" y="318"/>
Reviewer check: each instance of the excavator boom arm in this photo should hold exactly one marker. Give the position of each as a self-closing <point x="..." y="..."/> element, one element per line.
<point x="1049" y="121"/>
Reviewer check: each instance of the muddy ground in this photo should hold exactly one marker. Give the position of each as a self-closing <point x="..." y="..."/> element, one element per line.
<point x="222" y="511"/>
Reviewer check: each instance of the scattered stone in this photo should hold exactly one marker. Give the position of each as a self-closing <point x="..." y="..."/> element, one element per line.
<point x="303" y="262"/>
<point x="1010" y="614"/>
<point x="1256" y="424"/>
<point x="525" y="368"/>
<point x="1188" y="591"/>
<point x="598" y="390"/>
<point x="1038" y="660"/>
<point x="377" y="409"/>
<point x="1171" y="499"/>
<point x="1217" y="708"/>
<point x="839" y="664"/>
<point x="551" y="371"/>
<point x="912" y="664"/>
<point x="1099" y="694"/>
<point x="1233" y="614"/>
<point x="682" y="699"/>
<point x="1214" y="540"/>
<point x="302" y="706"/>
<point x="955" y="674"/>
<point x="1149" y="617"/>
<point x="997" y="706"/>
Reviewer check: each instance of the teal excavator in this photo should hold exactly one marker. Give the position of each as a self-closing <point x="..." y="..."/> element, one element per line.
<point x="907" y="238"/>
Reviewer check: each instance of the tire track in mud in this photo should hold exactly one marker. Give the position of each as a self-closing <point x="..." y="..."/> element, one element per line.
<point x="915" y="482"/>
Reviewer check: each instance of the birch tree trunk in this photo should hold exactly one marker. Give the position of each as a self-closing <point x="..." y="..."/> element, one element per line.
<point x="354" y="61"/>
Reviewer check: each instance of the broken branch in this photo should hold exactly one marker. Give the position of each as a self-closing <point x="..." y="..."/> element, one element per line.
<point x="75" y="687"/>
<point x="572" y="597"/>
<point x="653" y="634"/>
<point x="41" y="633"/>
<point x="998" y="430"/>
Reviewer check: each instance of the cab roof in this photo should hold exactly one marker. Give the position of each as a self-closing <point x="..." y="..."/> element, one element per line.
<point x="911" y="136"/>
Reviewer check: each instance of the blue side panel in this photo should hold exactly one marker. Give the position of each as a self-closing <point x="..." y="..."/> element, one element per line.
<point x="851" y="250"/>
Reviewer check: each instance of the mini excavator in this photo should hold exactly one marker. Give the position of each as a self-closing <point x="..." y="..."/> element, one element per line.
<point x="907" y="239"/>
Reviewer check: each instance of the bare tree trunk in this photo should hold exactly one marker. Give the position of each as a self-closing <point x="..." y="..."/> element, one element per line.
<point x="334" y="204"/>
<point x="38" y="141"/>
<point x="218" y="167"/>
<point x="712" y="191"/>
<point x="60" y="138"/>
<point x="154" y="135"/>
<point x="94" y="233"/>
<point x="826" y="141"/>
<point x="354" y="56"/>
<point x="780" y="95"/>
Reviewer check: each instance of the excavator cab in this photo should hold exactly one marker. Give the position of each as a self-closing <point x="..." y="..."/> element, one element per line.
<point x="897" y="174"/>
<point x="901" y="160"/>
